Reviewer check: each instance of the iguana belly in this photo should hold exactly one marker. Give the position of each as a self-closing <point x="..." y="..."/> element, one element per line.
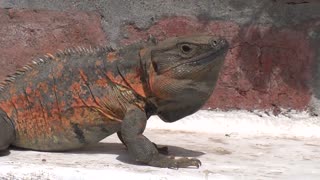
<point x="73" y="129"/>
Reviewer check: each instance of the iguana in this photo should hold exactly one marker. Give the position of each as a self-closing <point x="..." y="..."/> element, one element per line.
<point x="79" y="96"/>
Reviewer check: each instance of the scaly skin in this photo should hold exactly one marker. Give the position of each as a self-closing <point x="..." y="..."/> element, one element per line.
<point x="80" y="96"/>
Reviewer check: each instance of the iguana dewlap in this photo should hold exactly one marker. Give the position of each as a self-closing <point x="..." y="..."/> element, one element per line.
<point x="80" y="96"/>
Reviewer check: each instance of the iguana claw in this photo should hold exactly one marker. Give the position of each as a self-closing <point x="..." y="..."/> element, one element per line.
<point x="172" y="163"/>
<point x="185" y="163"/>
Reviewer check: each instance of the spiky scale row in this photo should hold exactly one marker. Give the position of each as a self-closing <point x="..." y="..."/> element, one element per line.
<point x="81" y="51"/>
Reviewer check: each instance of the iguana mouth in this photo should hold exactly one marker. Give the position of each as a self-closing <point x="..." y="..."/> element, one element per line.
<point x="206" y="58"/>
<point x="211" y="55"/>
<point x="218" y="48"/>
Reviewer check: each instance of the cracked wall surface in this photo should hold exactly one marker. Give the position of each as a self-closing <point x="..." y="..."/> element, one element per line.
<point x="273" y="62"/>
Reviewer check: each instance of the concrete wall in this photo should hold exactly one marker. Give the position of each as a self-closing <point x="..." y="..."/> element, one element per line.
<point x="273" y="63"/>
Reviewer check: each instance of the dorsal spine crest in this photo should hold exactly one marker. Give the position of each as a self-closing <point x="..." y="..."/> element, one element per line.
<point x="74" y="51"/>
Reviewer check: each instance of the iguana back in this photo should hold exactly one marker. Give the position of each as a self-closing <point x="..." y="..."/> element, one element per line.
<point x="67" y="100"/>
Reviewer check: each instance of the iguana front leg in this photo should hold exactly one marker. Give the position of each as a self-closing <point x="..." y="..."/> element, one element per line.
<point x="142" y="149"/>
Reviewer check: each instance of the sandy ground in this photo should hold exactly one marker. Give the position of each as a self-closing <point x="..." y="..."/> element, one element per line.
<point x="231" y="145"/>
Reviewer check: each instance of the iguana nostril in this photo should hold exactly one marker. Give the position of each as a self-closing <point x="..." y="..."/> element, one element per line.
<point x="213" y="43"/>
<point x="220" y="42"/>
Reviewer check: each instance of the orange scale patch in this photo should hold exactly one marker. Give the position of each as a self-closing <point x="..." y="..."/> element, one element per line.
<point x="112" y="56"/>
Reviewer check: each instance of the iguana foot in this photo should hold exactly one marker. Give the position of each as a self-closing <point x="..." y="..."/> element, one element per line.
<point x="7" y="134"/>
<point x="161" y="149"/>
<point x="171" y="162"/>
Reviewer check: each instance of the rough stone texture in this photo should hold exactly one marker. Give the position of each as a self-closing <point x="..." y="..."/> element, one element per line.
<point x="274" y="59"/>
<point x="25" y="34"/>
<point x="144" y="13"/>
<point x="314" y="35"/>
<point x="270" y="68"/>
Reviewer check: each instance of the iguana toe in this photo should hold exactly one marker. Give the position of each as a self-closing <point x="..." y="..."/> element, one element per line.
<point x="172" y="163"/>
<point x="186" y="162"/>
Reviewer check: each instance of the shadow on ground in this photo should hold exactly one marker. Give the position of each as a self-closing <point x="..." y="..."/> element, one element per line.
<point x="4" y="153"/>
<point x="120" y="150"/>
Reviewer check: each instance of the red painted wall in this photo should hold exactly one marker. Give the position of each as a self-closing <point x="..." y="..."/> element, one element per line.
<point x="267" y="67"/>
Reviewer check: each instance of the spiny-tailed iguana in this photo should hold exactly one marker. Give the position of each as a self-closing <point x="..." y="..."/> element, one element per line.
<point x="82" y="95"/>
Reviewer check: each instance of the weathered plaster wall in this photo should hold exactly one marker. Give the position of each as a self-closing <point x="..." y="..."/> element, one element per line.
<point x="273" y="61"/>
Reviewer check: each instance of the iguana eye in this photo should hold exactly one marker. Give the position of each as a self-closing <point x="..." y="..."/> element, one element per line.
<point x="186" y="48"/>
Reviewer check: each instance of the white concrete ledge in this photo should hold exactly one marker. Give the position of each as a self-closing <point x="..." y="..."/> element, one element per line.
<point x="231" y="145"/>
<point x="244" y="123"/>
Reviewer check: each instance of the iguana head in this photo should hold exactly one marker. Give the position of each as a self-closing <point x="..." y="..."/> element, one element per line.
<point x="182" y="72"/>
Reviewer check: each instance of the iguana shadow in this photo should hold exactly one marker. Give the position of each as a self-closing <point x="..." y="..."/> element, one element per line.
<point x="120" y="150"/>
<point x="123" y="155"/>
<point x="4" y="153"/>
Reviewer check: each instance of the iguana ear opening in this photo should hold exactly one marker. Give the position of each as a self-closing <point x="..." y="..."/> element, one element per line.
<point x="152" y="40"/>
<point x="155" y="67"/>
